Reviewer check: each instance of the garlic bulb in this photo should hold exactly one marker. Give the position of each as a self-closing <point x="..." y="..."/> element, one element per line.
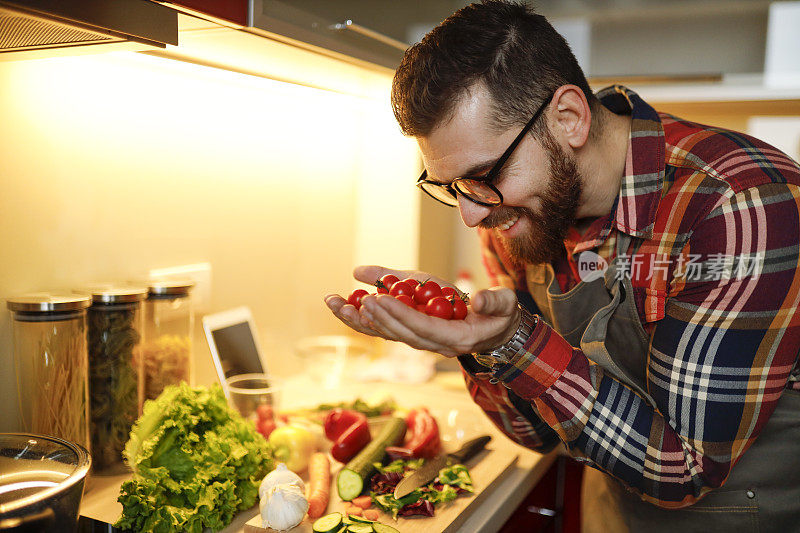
<point x="280" y="476"/>
<point x="283" y="507"/>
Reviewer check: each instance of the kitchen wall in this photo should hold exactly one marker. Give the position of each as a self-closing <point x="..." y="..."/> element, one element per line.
<point x="111" y="165"/>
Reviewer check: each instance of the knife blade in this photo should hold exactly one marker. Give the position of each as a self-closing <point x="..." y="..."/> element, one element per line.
<point x="430" y="469"/>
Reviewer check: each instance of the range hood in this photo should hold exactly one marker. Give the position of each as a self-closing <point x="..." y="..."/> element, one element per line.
<point x="345" y="39"/>
<point x="35" y="28"/>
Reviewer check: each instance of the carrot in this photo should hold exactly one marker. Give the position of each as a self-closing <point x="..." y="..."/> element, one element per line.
<point x="372" y="514"/>
<point x="319" y="474"/>
<point x="365" y="502"/>
<point x="354" y="510"/>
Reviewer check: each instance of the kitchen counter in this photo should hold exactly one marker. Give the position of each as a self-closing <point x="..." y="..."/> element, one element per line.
<point x="459" y="419"/>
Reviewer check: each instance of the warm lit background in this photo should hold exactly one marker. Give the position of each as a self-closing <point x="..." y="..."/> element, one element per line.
<point x="112" y="165"/>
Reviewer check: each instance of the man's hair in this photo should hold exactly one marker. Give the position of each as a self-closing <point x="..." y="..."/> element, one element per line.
<point x="513" y="51"/>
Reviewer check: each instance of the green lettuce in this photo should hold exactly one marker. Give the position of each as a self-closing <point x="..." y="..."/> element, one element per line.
<point x="196" y="463"/>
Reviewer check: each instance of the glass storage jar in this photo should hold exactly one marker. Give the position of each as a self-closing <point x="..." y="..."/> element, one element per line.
<point x="114" y="334"/>
<point x="169" y="325"/>
<point x="51" y="362"/>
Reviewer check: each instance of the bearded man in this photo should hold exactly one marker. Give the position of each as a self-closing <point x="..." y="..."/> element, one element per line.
<point x="673" y="373"/>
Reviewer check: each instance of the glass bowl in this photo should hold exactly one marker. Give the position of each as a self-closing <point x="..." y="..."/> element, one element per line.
<point x="247" y="391"/>
<point x="326" y="358"/>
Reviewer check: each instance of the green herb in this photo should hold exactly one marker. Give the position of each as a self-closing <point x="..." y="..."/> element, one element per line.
<point x="113" y="381"/>
<point x="451" y="478"/>
<point x="456" y="476"/>
<point x="384" y="408"/>
<point x="390" y="504"/>
<point x="196" y="463"/>
<point x="399" y="465"/>
<point x="447" y="494"/>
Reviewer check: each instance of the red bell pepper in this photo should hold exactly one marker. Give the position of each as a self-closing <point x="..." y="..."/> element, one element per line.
<point x="422" y="438"/>
<point x="349" y="432"/>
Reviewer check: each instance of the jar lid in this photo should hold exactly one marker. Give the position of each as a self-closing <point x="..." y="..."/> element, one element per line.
<point x="108" y="293"/>
<point x="170" y="287"/>
<point x="44" y="302"/>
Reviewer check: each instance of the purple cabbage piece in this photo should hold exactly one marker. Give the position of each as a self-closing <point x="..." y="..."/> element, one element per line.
<point x="420" y="508"/>
<point x="385" y="483"/>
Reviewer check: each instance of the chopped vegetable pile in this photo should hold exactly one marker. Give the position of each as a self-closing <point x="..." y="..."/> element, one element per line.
<point x="385" y="407"/>
<point x="196" y="463"/>
<point x="452" y="481"/>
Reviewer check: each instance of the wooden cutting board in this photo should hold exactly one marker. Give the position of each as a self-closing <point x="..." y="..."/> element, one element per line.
<point x="486" y="469"/>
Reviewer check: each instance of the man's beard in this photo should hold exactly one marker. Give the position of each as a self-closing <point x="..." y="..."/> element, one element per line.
<point x="559" y="204"/>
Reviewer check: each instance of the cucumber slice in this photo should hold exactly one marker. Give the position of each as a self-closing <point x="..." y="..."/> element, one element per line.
<point x="360" y="520"/>
<point x="350" y="484"/>
<point x="378" y="527"/>
<point x="351" y="479"/>
<point x="360" y="528"/>
<point x="327" y="523"/>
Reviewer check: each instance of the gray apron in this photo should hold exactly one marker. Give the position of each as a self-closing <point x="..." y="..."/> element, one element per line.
<point x="762" y="492"/>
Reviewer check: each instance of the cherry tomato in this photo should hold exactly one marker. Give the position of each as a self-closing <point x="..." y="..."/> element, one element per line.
<point x="265" y="427"/>
<point x="264" y="411"/>
<point x="401" y="287"/>
<point x="425" y="291"/>
<point x="355" y="297"/>
<point x="420" y="308"/>
<point x="412" y="282"/>
<point x="440" y="307"/>
<point x="447" y="292"/>
<point x="459" y="308"/>
<point x="406" y="299"/>
<point x="388" y="280"/>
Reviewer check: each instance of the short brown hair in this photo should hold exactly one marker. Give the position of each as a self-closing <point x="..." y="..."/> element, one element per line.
<point x="515" y="52"/>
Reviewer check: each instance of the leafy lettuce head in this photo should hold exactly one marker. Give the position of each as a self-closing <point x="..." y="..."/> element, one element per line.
<point x="196" y="463"/>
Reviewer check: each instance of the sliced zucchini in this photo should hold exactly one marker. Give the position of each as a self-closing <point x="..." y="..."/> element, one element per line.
<point x="359" y="519"/>
<point x="328" y="523"/>
<point x="360" y="528"/>
<point x="378" y="527"/>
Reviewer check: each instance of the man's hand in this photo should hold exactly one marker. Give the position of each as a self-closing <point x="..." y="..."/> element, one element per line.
<point x="493" y="319"/>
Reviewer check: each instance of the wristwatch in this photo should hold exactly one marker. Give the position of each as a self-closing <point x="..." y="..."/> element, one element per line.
<point x="505" y="353"/>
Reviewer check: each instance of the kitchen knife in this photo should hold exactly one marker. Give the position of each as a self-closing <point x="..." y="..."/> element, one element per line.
<point x="430" y="469"/>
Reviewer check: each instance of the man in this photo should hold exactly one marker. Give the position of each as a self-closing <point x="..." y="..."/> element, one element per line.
<point x="672" y="371"/>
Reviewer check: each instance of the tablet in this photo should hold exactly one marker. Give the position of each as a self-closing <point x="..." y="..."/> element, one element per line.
<point x="231" y="337"/>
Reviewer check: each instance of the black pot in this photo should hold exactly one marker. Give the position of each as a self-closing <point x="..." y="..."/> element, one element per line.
<point x="41" y="483"/>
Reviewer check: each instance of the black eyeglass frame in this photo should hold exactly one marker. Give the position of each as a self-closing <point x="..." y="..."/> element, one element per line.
<point x="453" y="189"/>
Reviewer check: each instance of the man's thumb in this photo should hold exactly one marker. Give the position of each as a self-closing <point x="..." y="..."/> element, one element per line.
<point x="497" y="301"/>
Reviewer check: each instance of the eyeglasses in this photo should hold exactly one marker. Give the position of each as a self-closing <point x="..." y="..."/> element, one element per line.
<point x="477" y="189"/>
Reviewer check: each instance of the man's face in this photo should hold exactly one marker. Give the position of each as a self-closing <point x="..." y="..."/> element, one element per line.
<point x="540" y="183"/>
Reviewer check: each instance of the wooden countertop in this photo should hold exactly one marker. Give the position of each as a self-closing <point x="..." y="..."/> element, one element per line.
<point x="460" y="419"/>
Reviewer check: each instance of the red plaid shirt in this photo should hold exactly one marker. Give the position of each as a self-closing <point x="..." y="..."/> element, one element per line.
<point x="724" y="336"/>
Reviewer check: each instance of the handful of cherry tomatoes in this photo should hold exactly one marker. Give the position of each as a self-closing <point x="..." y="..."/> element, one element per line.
<point x="426" y="297"/>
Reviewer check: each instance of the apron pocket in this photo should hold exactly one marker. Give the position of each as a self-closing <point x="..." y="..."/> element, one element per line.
<point x="732" y="510"/>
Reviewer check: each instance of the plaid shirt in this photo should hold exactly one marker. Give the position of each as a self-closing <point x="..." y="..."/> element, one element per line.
<point x="723" y="337"/>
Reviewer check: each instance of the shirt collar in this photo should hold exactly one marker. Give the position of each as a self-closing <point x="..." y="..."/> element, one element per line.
<point x="634" y="211"/>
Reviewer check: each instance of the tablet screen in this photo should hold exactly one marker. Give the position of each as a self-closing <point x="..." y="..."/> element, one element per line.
<point x="237" y="350"/>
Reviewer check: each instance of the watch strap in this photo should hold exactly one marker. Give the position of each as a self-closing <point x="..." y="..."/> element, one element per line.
<point x="505" y="353"/>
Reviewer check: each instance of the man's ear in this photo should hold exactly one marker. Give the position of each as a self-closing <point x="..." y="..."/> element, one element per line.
<point x="572" y="115"/>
